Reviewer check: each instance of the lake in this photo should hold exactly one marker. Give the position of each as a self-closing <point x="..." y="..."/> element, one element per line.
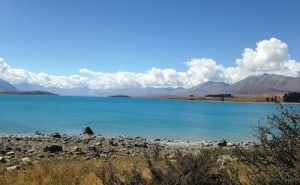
<point x="149" y="118"/>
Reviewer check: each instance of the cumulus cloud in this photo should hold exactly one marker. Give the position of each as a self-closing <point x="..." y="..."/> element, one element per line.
<point x="202" y="70"/>
<point x="153" y="78"/>
<point x="16" y="76"/>
<point x="270" y="56"/>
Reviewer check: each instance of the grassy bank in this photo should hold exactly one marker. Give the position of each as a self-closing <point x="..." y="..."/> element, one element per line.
<point x="129" y="170"/>
<point x="212" y="166"/>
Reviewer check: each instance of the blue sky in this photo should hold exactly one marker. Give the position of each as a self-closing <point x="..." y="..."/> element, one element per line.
<point x="60" y="37"/>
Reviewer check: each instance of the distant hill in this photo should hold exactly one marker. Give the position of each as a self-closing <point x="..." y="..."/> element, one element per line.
<point x="261" y="84"/>
<point x="27" y="92"/>
<point x="4" y="85"/>
<point x="80" y="91"/>
<point x="207" y="88"/>
<point x="7" y="88"/>
<point x="267" y="83"/>
<point x="141" y="92"/>
<point x="85" y="91"/>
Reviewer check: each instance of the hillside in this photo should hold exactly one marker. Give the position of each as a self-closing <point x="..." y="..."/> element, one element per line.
<point x="267" y="83"/>
<point x="7" y="88"/>
<point x="4" y="85"/>
<point x="207" y="88"/>
<point x="26" y="92"/>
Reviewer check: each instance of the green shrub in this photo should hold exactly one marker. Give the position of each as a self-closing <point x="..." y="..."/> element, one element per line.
<point x="277" y="160"/>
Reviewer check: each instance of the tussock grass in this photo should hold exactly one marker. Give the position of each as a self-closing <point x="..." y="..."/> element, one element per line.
<point x="53" y="171"/>
<point x="125" y="169"/>
<point x="59" y="171"/>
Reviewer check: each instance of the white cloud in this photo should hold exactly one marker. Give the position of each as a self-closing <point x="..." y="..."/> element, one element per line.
<point x="15" y="76"/>
<point x="201" y="70"/>
<point x="153" y="78"/>
<point x="269" y="56"/>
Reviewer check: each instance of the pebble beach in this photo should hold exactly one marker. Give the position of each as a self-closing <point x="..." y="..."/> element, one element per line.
<point x="16" y="150"/>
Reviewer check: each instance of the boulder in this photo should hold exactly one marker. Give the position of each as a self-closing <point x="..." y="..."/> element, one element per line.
<point x="56" y="135"/>
<point x="88" y="131"/>
<point x="222" y="143"/>
<point x="53" y="148"/>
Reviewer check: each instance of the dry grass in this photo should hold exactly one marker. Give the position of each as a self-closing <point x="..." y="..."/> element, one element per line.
<point x="59" y="171"/>
<point x="54" y="171"/>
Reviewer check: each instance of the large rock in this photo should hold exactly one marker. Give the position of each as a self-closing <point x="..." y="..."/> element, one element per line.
<point x="222" y="143"/>
<point x="88" y="131"/>
<point x="56" y="135"/>
<point x="53" y="148"/>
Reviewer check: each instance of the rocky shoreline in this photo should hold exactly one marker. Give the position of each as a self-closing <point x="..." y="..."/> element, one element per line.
<point x="16" y="150"/>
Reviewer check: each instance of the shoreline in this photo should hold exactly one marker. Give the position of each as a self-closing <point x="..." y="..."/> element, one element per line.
<point x="34" y="147"/>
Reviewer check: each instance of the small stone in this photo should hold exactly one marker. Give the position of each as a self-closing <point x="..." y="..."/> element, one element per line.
<point x="88" y="131"/>
<point x="18" y="149"/>
<point x="2" y="160"/>
<point x="92" y="148"/>
<point x="37" y="133"/>
<point x="26" y="160"/>
<point x="31" y="150"/>
<point x="35" y="162"/>
<point x="75" y="149"/>
<point x="10" y="153"/>
<point x="53" y="148"/>
<point x="230" y="144"/>
<point x="103" y="155"/>
<point x="8" y="148"/>
<point x="15" y="167"/>
<point x="40" y="155"/>
<point x="3" y="152"/>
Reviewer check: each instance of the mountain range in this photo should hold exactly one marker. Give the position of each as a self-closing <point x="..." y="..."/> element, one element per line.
<point x="266" y="83"/>
<point x="4" y="85"/>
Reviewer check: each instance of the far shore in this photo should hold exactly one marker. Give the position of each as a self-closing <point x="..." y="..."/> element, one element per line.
<point x="267" y="98"/>
<point x="17" y="92"/>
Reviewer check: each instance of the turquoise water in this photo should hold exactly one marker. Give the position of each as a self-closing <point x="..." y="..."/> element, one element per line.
<point x="150" y="118"/>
